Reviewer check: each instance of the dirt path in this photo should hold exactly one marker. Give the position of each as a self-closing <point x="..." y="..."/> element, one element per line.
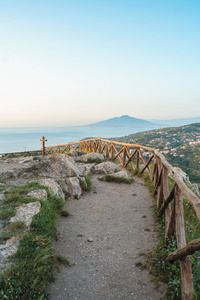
<point x="104" y="237"/>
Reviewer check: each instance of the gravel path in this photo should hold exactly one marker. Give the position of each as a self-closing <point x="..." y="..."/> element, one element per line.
<point x="109" y="228"/>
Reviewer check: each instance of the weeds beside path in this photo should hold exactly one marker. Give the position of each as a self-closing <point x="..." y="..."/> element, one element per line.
<point x="106" y="236"/>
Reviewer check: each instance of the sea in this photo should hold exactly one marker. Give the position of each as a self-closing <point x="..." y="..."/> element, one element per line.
<point x="27" y="139"/>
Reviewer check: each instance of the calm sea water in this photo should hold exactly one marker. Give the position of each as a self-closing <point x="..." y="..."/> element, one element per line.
<point x="24" y="139"/>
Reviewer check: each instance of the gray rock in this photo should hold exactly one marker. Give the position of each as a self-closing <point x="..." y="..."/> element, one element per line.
<point x="86" y="168"/>
<point x="2" y="196"/>
<point x="54" y="187"/>
<point x="73" y="153"/>
<point x="90" y="157"/>
<point x="10" y="247"/>
<point x="39" y="194"/>
<point x="25" y="212"/>
<point x="54" y="166"/>
<point x="11" y="174"/>
<point x="64" y="186"/>
<point x="107" y="167"/>
<point x="74" y="187"/>
<point x="64" y="165"/>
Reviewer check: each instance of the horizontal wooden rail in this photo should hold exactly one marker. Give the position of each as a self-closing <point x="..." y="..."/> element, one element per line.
<point x="191" y="248"/>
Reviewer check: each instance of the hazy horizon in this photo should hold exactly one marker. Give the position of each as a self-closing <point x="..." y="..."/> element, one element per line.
<point x="88" y="124"/>
<point x="68" y="63"/>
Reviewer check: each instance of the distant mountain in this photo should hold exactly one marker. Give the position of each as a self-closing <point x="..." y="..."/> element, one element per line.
<point x="176" y="122"/>
<point x="123" y="121"/>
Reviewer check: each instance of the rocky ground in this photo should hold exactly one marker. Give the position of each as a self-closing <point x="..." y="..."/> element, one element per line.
<point x="108" y="231"/>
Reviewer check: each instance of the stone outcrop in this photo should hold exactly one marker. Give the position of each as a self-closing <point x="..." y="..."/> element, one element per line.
<point x="106" y="167"/>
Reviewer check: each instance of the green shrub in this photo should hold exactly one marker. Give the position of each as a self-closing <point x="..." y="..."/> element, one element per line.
<point x="96" y="160"/>
<point x="111" y="178"/>
<point x="64" y="213"/>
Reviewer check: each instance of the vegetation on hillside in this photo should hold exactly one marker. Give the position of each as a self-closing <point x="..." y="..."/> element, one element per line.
<point x="180" y="146"/>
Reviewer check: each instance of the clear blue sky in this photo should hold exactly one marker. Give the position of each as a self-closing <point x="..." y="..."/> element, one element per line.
<point x="75" y="62"/>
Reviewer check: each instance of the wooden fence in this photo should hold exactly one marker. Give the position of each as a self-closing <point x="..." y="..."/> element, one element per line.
<point x="169" y="202"/>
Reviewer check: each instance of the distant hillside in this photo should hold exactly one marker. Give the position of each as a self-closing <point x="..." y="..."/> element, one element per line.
<point x="123" y="121"/>
<point x="180" y="145"/>
<point x="176" y="122"/>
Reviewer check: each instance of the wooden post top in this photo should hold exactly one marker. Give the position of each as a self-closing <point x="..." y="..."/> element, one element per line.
<point x="43" y="139"/>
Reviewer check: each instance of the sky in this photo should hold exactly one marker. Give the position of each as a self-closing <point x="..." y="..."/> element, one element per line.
<point x="76" y="62"/>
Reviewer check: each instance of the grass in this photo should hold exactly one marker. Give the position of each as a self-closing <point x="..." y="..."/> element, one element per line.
<point x="13" y="229"/>
<point x="62" y="260"/>
<point x="96" y="160"/>
<point x="86" y="184"/>
<point x="147" y="229"/>
<point x="34" y="263"/>
<point x="64" y="213"/>
<point x="7" y="211"/>
<point x="141" y="265"/>
<point x="17" y="194"/>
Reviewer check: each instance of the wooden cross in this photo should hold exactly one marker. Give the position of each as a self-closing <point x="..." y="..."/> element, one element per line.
<point x="43" y="145"/>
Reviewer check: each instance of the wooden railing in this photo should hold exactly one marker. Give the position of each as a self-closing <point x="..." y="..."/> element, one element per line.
<point x="169" y="201"/>
<point x="4" y="156"/>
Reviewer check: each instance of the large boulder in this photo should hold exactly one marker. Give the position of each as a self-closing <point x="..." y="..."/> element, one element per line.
<point x="93" y="157"/>
<point x="107" y="167"/>
<point x="53" y="186"/>
<point x="64" y="165"/>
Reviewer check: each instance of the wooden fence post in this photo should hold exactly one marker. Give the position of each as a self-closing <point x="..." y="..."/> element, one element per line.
<point x="187" y="289"/>
<point x="43" y="145"/>
<point x="111" y="152"/>
<point x="166" y="195"/>
<point x="124" y="156"/>
<point x="137" y="160"/>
